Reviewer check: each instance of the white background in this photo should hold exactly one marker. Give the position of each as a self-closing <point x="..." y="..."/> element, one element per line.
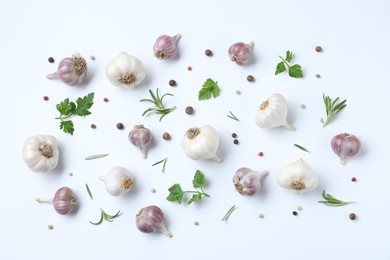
<point x="353" y="65"/>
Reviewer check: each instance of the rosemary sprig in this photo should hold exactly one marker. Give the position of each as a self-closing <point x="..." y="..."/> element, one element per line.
<point x="301" y="147"/>
<point x="332" y="107"/>
<point x="329" y="200"/>
<point x="96" y="156"/>
<point x="164" y="161"/>
<point x="105" y="216"/>
<point x="228" y="213"/>
<point x="158" y="108"/>
<point x="89" y="191"/>
<point x="232" y="116"/>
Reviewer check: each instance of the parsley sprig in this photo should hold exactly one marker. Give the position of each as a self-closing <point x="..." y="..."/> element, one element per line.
<point x="294" y="71"/>
<point x="177" y="194"/>
<point x="68" y="109"/>
<point x="105" y="216"/>
<point x="209" y="89"/>
<point x="332" y="107"/>
<point x="329" y="200"/>
<point x="157" y="101"/>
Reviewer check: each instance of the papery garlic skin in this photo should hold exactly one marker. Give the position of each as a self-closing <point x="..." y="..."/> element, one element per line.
<point x="345" y="145"/>
<point x="40" y="153"/>
<point x="298" y="177"/>
<point x="71" y="70"/>
<point x="141" y="137"/>
<point x="240" y="52"/>
<point x="273" y="113"/>
<point x="248" y="182"/>
<point x="118" y="181"/>
<point x="201" y="143"/>
<point x="125" y="70"/>
<point x="151" y="219"/>
<point x="165" y="47"/>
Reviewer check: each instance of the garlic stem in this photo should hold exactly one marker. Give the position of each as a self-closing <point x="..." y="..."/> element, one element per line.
<point x="250" y="44"/>
<point x="288" y="126"/>
<point x="165" y="231"/>
<point x="216" y="158"/>
<point x="143" y="152"/>
<point x="45" y="200"/>
<point x="177" y="37"/>
<point x="52" y="75"/>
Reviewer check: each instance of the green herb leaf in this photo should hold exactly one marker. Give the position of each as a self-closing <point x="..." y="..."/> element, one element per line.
<point x="157" y="101"/>
<point x="294" y="71"/>
<point x="332" y="201"/>
<point x="84" y="104"/>
<point x="106" y="217"/>
<point x="232" y="116"/>
<point x="195" y="197"/>
<point x="302" y="148"/>
<point x="89" y="191"/>
<point x="198" y="180"/>
<point x="68" y="108"/>
<point x="280" y="68"/>
<point x="175" y="193"/>
<point x="67" y="126"/>
<point x="228" y="213"/>
<point x="164" y="161"/>
<point x="208" y="90"/>
<point x="96" y="156"/>
<point x="332" y="108"/>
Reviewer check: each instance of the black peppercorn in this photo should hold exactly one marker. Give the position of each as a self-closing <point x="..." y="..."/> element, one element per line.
<point x="50" y="59"/>
<point x="234" y="135"/>
<point x="250" y="78"/>
<point x="93" y="126"/>
<point x="352" y="216"/>
<point x="208" y="52"/>
<point x="295" y="213"/>
<point x="318" y="48"/>
<point x="172" y="83"/>
<point x="189" y="110"/>
<point x="119" y="126"/>
<point x="235" y="141"/>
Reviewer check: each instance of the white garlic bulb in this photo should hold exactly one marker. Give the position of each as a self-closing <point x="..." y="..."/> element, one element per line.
<point x="273" y="113"/>
<point x="125" y="70"/>
<point x="298" y="177"/>
<point x="118" y="181"/>
<point x="40" y="153"/>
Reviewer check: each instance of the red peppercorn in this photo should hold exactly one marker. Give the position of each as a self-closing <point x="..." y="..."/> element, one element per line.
<point x="46" y="98"/>
<point x="353" y="179"/>
<point x="260" y="154"/>
<point x="189" y="68"/>
<point x="105" y="99"/>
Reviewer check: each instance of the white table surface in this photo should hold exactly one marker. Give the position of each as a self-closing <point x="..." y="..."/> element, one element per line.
<point x="354" y="65"/>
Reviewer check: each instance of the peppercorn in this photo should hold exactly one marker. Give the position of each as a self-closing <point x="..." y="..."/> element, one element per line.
<point x="295" y="213"/>
<point x="172" y="83"/>
<point x="189" y="68"/>
<point x="352" y="216"/>
<point x="46" y="98"/>
<point x="208" y="52"/>
<point x="93" y="126"/>
<point x="189" y="110"/>
<point x="235" y="141"/>
<point x="260" y="154"/>
<point x="196" y="223"/>
<point x="318" y="76"/>
<point x="105" y="99"/>
<point x="250" y="78"/>
<point x="234" y="135"/>
<point x="318" y="48"/>
<point x="50" y="226"/>
<point x="353" y="179"/>
<point x="119" y="126"/>
<point x="93" y="57"/>
<point x="153" y="190"/>
<point x="166" y="136"/>
<point x="50" y="59"/>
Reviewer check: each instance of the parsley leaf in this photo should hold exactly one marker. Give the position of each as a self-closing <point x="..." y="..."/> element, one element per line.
<point x="177" y="194"/>
<point x="69" y="108"/>
<point x="209" y="89"/>
<point x="294" y="71"/>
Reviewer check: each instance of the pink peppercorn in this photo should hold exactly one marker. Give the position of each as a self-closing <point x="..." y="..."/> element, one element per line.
<point x="46" y="98"/>
<point x="260" y="154"/>
<point x="105" y="99"/>
<point x="189" y="68"/>
<point x="353" y="179"/>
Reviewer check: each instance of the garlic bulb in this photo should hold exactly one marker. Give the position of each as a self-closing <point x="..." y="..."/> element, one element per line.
<point x="151" y="219"/>
<point x="240" y="52"/>
<point x="201" y="143"/>
<point x="118" y="180"/>
<point x="298" y="177"/>
<point x="141" y="137"/>
<point x="273" y="113"/>
<point x="345" y="145"/>
<point x="125" y="70"/>
<point x="71" y="71"/>
<point x="247" y="181"/>
<point x="40" y="153"/>
<point x="63" y="202"/>
<point x="165" y="47"/>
